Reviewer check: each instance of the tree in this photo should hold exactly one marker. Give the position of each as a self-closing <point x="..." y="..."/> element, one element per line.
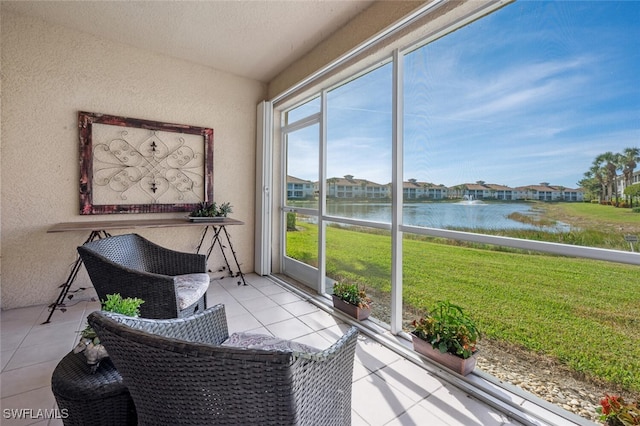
<point x="629" y="160"/>
<point x="591" y="185"/>
<point x="596" y="172"/>
<point x="632" y="191"/>
<point x="459" y="190"/>
<point x="609" y="163"/>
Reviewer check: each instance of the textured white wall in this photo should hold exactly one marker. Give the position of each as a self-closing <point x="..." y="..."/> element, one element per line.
<point x="49" y="73"/>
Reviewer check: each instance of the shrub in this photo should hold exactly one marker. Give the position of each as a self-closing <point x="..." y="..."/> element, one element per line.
<point x="291" y="221"/>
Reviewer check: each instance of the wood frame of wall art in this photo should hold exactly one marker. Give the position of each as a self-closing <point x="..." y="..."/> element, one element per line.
<point x="130" y="165"/>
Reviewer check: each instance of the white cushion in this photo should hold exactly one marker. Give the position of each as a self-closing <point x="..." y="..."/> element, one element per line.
<point x="190" y="288"/>
<point x="266" y="342"/>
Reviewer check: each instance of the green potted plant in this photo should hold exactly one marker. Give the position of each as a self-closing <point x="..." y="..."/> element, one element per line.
<point x="448" y="335"/>
<point x="352" y="300"/>
<point x="90" y="343"/>
<point x="211" y="211"/>
<point x="614" y="411"/>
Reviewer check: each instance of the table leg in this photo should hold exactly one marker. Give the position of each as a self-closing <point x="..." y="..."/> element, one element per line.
<point x="235" y="258"/>
<point x="66" y="286"/>
<point x="217" y="240"/>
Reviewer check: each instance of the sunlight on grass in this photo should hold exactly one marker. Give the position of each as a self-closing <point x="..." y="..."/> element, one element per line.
<point x="582" y="312"/>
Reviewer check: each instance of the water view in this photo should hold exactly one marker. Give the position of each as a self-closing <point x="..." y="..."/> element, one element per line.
<point x="470" y="215"/>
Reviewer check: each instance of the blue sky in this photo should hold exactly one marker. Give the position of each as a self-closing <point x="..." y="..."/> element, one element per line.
<point x="532" y="93"/>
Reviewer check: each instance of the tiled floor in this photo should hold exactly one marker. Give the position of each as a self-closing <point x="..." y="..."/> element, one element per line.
<point x="388" y="389"/>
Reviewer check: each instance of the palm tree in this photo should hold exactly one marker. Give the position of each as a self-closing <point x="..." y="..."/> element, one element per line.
<point x="459" y="190"/>
<point x="597" y="172"/>
<point x="609" y="163"/>
<point x="629" y="160"/>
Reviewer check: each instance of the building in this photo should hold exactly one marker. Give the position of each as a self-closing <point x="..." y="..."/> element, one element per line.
<point x="546" y="192"/>
<point x="414" y="190"/>
<point x="541" y="192"/>
<point x="350" y="187"/>
<point x="299" y="188"/>
<point x="621" y="184"/>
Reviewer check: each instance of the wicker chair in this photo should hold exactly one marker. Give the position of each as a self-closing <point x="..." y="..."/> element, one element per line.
<point x="179" y="374"/>
<point x="172" y="284"/>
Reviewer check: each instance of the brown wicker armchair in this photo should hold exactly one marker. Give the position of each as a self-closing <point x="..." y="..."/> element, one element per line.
<point x="178" y="373"/>
<point x="172" y="284"/>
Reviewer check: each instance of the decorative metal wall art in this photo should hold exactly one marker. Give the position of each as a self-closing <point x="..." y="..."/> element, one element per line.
<point x="130" y="165"/>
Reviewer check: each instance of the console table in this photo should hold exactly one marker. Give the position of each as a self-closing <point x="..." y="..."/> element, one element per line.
<point x="99" y="229"/>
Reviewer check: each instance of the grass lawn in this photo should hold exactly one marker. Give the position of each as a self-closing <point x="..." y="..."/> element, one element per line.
<point x="584" y="313"/>
<point x="595" y="216"/>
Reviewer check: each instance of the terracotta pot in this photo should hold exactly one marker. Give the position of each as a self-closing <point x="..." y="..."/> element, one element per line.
<point x="351" y="310"/>
<point x="452" y="362"/>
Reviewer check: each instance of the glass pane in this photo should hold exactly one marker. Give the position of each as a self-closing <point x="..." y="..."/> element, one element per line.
<point x="302" y="111"/>
<point x="359" y="147"/>
<point x="302" y="238"/>
<point x="504" y="118"/>
<point x="522" y="124"/>
<point x="302" y="167"/>
<point x="362" y="256"/>
<point x="552" y="313"/>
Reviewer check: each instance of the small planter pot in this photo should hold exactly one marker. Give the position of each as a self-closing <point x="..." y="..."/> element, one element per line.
<point x="351" y="310"/>
<point x="452" y="362"/>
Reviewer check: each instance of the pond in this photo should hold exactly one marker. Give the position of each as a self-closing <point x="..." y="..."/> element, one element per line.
<point x="454" y="215"/>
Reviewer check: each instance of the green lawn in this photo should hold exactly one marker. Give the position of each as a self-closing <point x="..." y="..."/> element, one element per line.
<point x="594" y="216"/>
<point x="608" y="214"/>
<point x="584" y="313"/>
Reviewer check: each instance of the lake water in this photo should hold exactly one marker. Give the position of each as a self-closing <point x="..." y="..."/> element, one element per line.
<point x="473" y="215"/>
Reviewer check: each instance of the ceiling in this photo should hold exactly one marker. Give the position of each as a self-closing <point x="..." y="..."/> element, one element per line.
<point x="253" y="39"/>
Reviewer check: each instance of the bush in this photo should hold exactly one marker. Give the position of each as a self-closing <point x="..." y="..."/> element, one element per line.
<point x="291" y="221"/>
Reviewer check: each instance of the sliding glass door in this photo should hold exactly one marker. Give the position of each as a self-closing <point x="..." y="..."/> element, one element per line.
<point x="300" y="209"/>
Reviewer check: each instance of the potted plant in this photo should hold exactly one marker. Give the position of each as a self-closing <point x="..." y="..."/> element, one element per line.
<point x="447" y="335"/>
<point x="211" y="211"/>
<point x="614" y="411"/>
<point x="352" y="300"/>
<point x="90" y="343"/>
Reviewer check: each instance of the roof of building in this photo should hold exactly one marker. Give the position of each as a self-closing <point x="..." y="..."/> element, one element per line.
<point x="293" y="179"/>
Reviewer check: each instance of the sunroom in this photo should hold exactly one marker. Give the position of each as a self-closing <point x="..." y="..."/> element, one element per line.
<point x="385" y="93"/>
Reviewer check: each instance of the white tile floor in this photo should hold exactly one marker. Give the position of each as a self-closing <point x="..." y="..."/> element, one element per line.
<point x="388" y="389"/>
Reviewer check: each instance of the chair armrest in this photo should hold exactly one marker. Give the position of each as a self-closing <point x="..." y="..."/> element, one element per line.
<point x="323" y="382"/>
<point x="345" y="343"/>
<point x="209" y="326"/>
